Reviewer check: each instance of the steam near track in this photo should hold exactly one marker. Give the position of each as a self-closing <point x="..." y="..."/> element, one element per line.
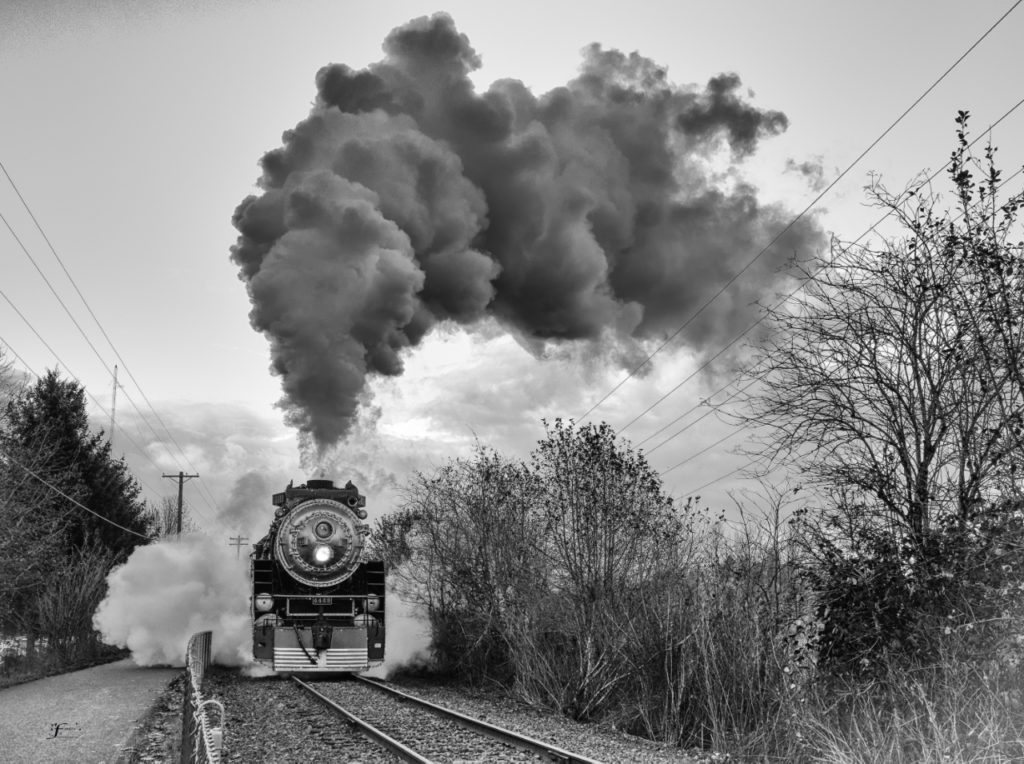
<point x="169" y="590"/>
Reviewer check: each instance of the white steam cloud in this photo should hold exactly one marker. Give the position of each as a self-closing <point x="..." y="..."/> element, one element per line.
<point x="168" y="591"/>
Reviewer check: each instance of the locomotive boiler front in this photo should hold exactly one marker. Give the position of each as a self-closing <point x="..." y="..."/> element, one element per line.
<point x="320" y="542"/>
<point x="317" y="605"/>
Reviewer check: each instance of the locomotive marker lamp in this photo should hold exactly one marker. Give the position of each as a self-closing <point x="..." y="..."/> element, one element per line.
<point x="323" y="529"/>
<point x="264" y="602"/>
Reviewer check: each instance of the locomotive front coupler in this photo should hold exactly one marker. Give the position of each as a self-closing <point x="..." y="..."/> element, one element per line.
<point x="321" y="633"/>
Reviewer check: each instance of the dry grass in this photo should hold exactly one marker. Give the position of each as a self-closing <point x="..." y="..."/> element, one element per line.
<point x="952" y="713"/>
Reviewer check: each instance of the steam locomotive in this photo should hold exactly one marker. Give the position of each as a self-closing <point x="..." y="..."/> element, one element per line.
<point x="317" y="606"/>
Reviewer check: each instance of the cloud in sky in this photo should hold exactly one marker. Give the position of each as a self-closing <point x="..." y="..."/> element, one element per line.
<point x="588" y="213"/>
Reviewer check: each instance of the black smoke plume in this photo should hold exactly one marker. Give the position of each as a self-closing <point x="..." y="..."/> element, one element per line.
<point x="407" y="198"/>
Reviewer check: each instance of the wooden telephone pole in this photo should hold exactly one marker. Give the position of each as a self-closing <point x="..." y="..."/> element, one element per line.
<point x="181" y="477"/>
<point x="113" y="410"/>
<point x="238" y="542"/>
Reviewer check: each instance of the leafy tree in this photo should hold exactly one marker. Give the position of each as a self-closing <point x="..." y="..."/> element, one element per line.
<point x="896" y="385"/>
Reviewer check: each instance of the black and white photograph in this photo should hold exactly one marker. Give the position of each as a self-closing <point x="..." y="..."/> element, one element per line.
<point x="496" y="382"/>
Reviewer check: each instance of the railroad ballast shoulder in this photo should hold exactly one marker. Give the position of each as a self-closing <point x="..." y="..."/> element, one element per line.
<point x="317" y="605"/>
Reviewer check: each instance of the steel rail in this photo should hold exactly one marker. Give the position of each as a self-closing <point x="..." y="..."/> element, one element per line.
<point x="550" y="752"/>
<point x="377" y="736"/>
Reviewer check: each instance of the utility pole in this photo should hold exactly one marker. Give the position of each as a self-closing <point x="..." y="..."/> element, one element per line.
<point x="181" y="477"/>
<point x="113" y="410"/>
<point x="237" y="543"/>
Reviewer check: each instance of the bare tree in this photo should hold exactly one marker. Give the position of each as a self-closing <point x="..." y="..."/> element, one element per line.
<point x="896" y="378"/>
<point x="610" y="534"/>
<point x="895" y="384"/>
<point x="66" y="605"/>
<point x="164" y="519"/>
<point x="463" y="547"/>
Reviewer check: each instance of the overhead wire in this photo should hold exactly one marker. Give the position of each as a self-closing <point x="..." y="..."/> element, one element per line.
<point x="74" y="501"/>
<point x="691" y="457"/>
<point x="800" y="285"/>
<point x="79" y="381"/>
<point x="207" y="497"/>
<point x="812" y="277"/>
<point x="800" y="216"/>
<point x="711" y="409"/>
<point x="694" y="407"/>
<point x="21" y="360"/>
<point x="21" y="315"/>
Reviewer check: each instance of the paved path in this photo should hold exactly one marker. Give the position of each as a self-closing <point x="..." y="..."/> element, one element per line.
<point x="82" y="717"/>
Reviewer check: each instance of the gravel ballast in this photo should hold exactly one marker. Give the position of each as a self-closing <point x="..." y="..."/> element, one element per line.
<point x="272" y="720"/>
<point x="607" y="746"/>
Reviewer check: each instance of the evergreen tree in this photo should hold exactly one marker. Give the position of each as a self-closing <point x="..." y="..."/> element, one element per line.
<point x="50" y="417"/>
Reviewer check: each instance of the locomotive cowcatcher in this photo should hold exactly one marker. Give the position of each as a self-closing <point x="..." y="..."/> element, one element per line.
<point x="317" y="606"/>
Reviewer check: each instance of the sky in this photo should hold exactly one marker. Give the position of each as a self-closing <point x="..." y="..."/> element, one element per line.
<point x="134" y="131"/>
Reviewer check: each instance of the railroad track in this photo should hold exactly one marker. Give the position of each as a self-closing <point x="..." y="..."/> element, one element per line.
<point x="416" y="730"/>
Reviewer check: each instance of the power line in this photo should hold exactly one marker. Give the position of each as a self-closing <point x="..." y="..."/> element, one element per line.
<point x="79" y="381"/>
<point x="711" y="410"/>
<point x="690" y="410"/>
<point x="720" y="478"/>
<point x="800" y="285"/>
<point x="691" y="457"/>
<point x="806" y="209"/>
<point x="53" y="291"/>
<point x="66" y="367"/>
<point x="813" y="277"/>
<point x="74" y="501"/>
<point x="95" y="319"/>
<point x="22" y="360"/>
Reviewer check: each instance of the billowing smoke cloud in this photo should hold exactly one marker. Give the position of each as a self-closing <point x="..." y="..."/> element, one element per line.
<point x="249" y="509"/>
<point x="812" y="170"/>
<point x="407" y="198"/>
<point x="168" y="591"/>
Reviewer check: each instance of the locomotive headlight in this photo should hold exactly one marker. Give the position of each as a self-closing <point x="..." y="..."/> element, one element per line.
<point x="322" y="554"/>
<point x="264" y="602"/>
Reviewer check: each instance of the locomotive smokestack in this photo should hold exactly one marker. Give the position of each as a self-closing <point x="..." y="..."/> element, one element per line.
<point x="407" y="198"/>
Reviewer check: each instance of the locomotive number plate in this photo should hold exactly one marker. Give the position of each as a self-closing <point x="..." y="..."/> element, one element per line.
<point x="321" y="600"/>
